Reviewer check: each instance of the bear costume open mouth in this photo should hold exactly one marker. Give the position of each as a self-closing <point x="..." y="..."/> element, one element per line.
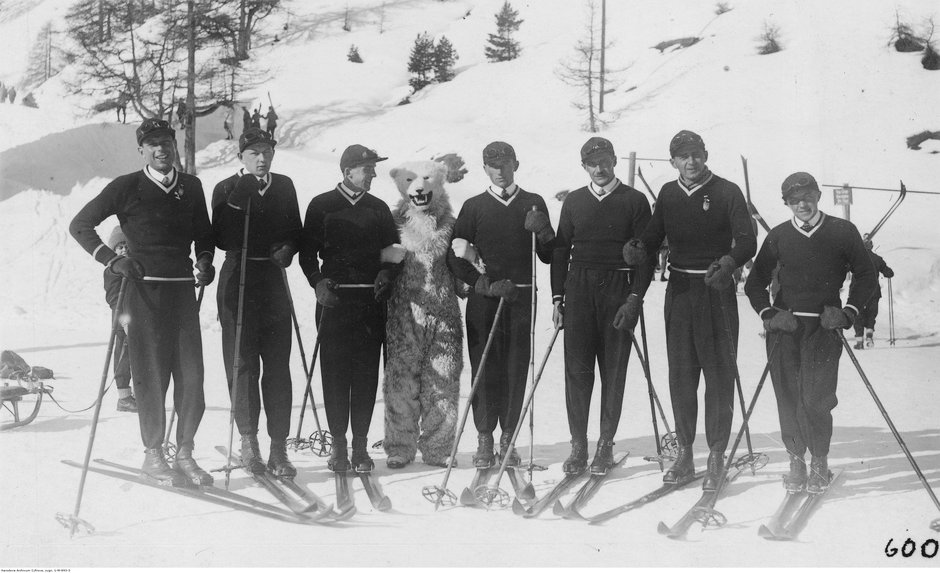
<point x="421" y="199"/>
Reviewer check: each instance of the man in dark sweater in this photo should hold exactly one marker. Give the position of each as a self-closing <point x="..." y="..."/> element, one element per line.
<point x="122" y="361"/>
<point x="813" y="250"/>
<point x="705" y="219"/>
<point x="348" y="230"/>
<point x="865" y="323"/>
<point x="499" y="224"/>
<point x="163" y="213"/>
<point x="590" y="284"/>
<point x="273" y="234"/>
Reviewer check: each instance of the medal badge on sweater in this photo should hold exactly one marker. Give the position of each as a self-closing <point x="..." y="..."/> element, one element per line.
<point x="706" y="203"/>
<point x="178" y="192"/>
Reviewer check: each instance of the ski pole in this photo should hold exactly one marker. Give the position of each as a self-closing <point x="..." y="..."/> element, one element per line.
<point x="668" y="440"/>
<point x="935" y="524"/>
<point x="308" y="373"/>
<point x="487" y="493"/>
<point x="169" y="448"/>
<point x="73" y="521"/>
<point x="438" y="492"/>
<point x="891" y="338"/>
<point x="660" y="456"/>
<point x="712" y="515"/>
<point x="238" y="341"/>
<point x="752" y="457"/>
<point x="531" y="364"/>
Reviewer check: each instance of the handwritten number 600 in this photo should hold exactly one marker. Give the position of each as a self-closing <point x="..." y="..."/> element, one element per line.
<point x="928" y="548"/>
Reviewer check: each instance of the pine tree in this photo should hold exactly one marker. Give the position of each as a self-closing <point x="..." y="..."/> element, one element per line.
<point x="502" y="47"/>
<point x="421" y="63"/>
<point x="353" y="55"/>
<point x="445" y="56"/>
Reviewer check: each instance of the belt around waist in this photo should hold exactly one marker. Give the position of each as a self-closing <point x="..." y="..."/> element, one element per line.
<point x="693" y="272"/>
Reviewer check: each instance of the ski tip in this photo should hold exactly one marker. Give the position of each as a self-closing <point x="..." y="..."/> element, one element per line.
<point x="527" y="493"/>
<point x="558" y="508"/>
<point x="765" y="532"/>
<point x="573" y="513"/>
<point x="384" y="504"/>
<point x="663" y="529"/>
<point x="466" y="497"/>
<point x="517" y="507"/>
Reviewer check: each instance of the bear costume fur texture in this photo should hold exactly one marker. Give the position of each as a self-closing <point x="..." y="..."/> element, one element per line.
<point x="424" y="336"/>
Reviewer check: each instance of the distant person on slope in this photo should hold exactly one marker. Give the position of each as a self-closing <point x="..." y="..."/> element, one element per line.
<point x="705" y="219"/>
<point x="256" y="118"/>
<point x="122" y="360"/>
<point x="865" y="323"/>
<point x="347" y="229"/>
<point x="813" y="251"/>
<point x="246" y="119"/>
<point x="590" y="288"/>
<point x="273" y="232"/>
<point x="499" y="224"/>
<point x="271" y="120"/>
<point x="162" y="213"/>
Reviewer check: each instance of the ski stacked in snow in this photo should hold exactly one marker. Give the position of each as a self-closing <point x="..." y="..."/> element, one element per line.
<point x="704" y="509"/>
<point x="586" y="492"/>
<point x="652" y="496"/>
<point x="794" y="512"/>
<point x="560" y="489"/>
<point x="210" y="494"/>
<point x="294" y="497"/>
<point x="379" y="500"/>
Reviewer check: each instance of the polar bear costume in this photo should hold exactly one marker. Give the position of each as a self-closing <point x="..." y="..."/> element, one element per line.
<point x="424" y="336"/>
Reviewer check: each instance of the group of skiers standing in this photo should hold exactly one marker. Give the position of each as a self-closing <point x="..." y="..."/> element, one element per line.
<point x="602" y="260"/>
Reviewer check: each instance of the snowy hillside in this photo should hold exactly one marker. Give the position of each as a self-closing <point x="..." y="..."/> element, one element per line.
<point x="838" y="102"/>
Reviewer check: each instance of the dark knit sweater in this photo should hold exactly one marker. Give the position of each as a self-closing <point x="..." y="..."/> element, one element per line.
<point x="160" y="227"/>
<point x="812" y="269"/>
<point x="592" y="233"/>
<point x="498" y="233"/>
<point x="347" y="238"/>
<point x="274" y="219"/>
<point x="698" y="236"/>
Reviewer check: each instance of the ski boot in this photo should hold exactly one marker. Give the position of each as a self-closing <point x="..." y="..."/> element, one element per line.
<point x="278" y="462"/>
<point x="604" y="458"/>
<point x="795" y="481"/>
<point x="681" y="469"/>
<point x="155" y="467"/>
<point x="484" y="458"/>
<point x="251" y="454"/>
<point x="361" y="462"/>
<point x="818" y="481"/>
<point x="396" y="461"/>
<point x="339" y="458"/>
<point x="126" y="401"/>
<point x="185" y="464"/>
<point x="577" y="460"/>
<point x="713" y="472"/>
<point x="506" y="449"/>
<point x="869" y="338"/>
<point x="859" y="343"/>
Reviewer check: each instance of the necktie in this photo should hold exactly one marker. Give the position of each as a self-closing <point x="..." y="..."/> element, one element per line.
<point x="806" y="227"/>
<point x="166" y="180"/>
<point x="506" y="195"/>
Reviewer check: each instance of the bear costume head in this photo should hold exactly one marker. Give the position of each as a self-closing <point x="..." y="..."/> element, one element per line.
<point x="421" y="184"/>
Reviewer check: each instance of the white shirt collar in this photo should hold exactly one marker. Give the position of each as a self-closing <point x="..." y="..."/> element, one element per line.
<point x="266" y="180"/>
<point x="815" y="222"/>
<point x="497" y="192"/>
<point x="692" y="188"/>
<point x="352" y="196"/>
<point x="600" y="193"/>
<point x="165" y="182"/>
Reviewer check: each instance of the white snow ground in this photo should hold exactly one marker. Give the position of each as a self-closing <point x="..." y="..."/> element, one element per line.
<point x="837" y="102"/>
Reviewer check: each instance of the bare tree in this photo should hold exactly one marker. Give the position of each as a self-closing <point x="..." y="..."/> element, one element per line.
<point x="583" y="69"/>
